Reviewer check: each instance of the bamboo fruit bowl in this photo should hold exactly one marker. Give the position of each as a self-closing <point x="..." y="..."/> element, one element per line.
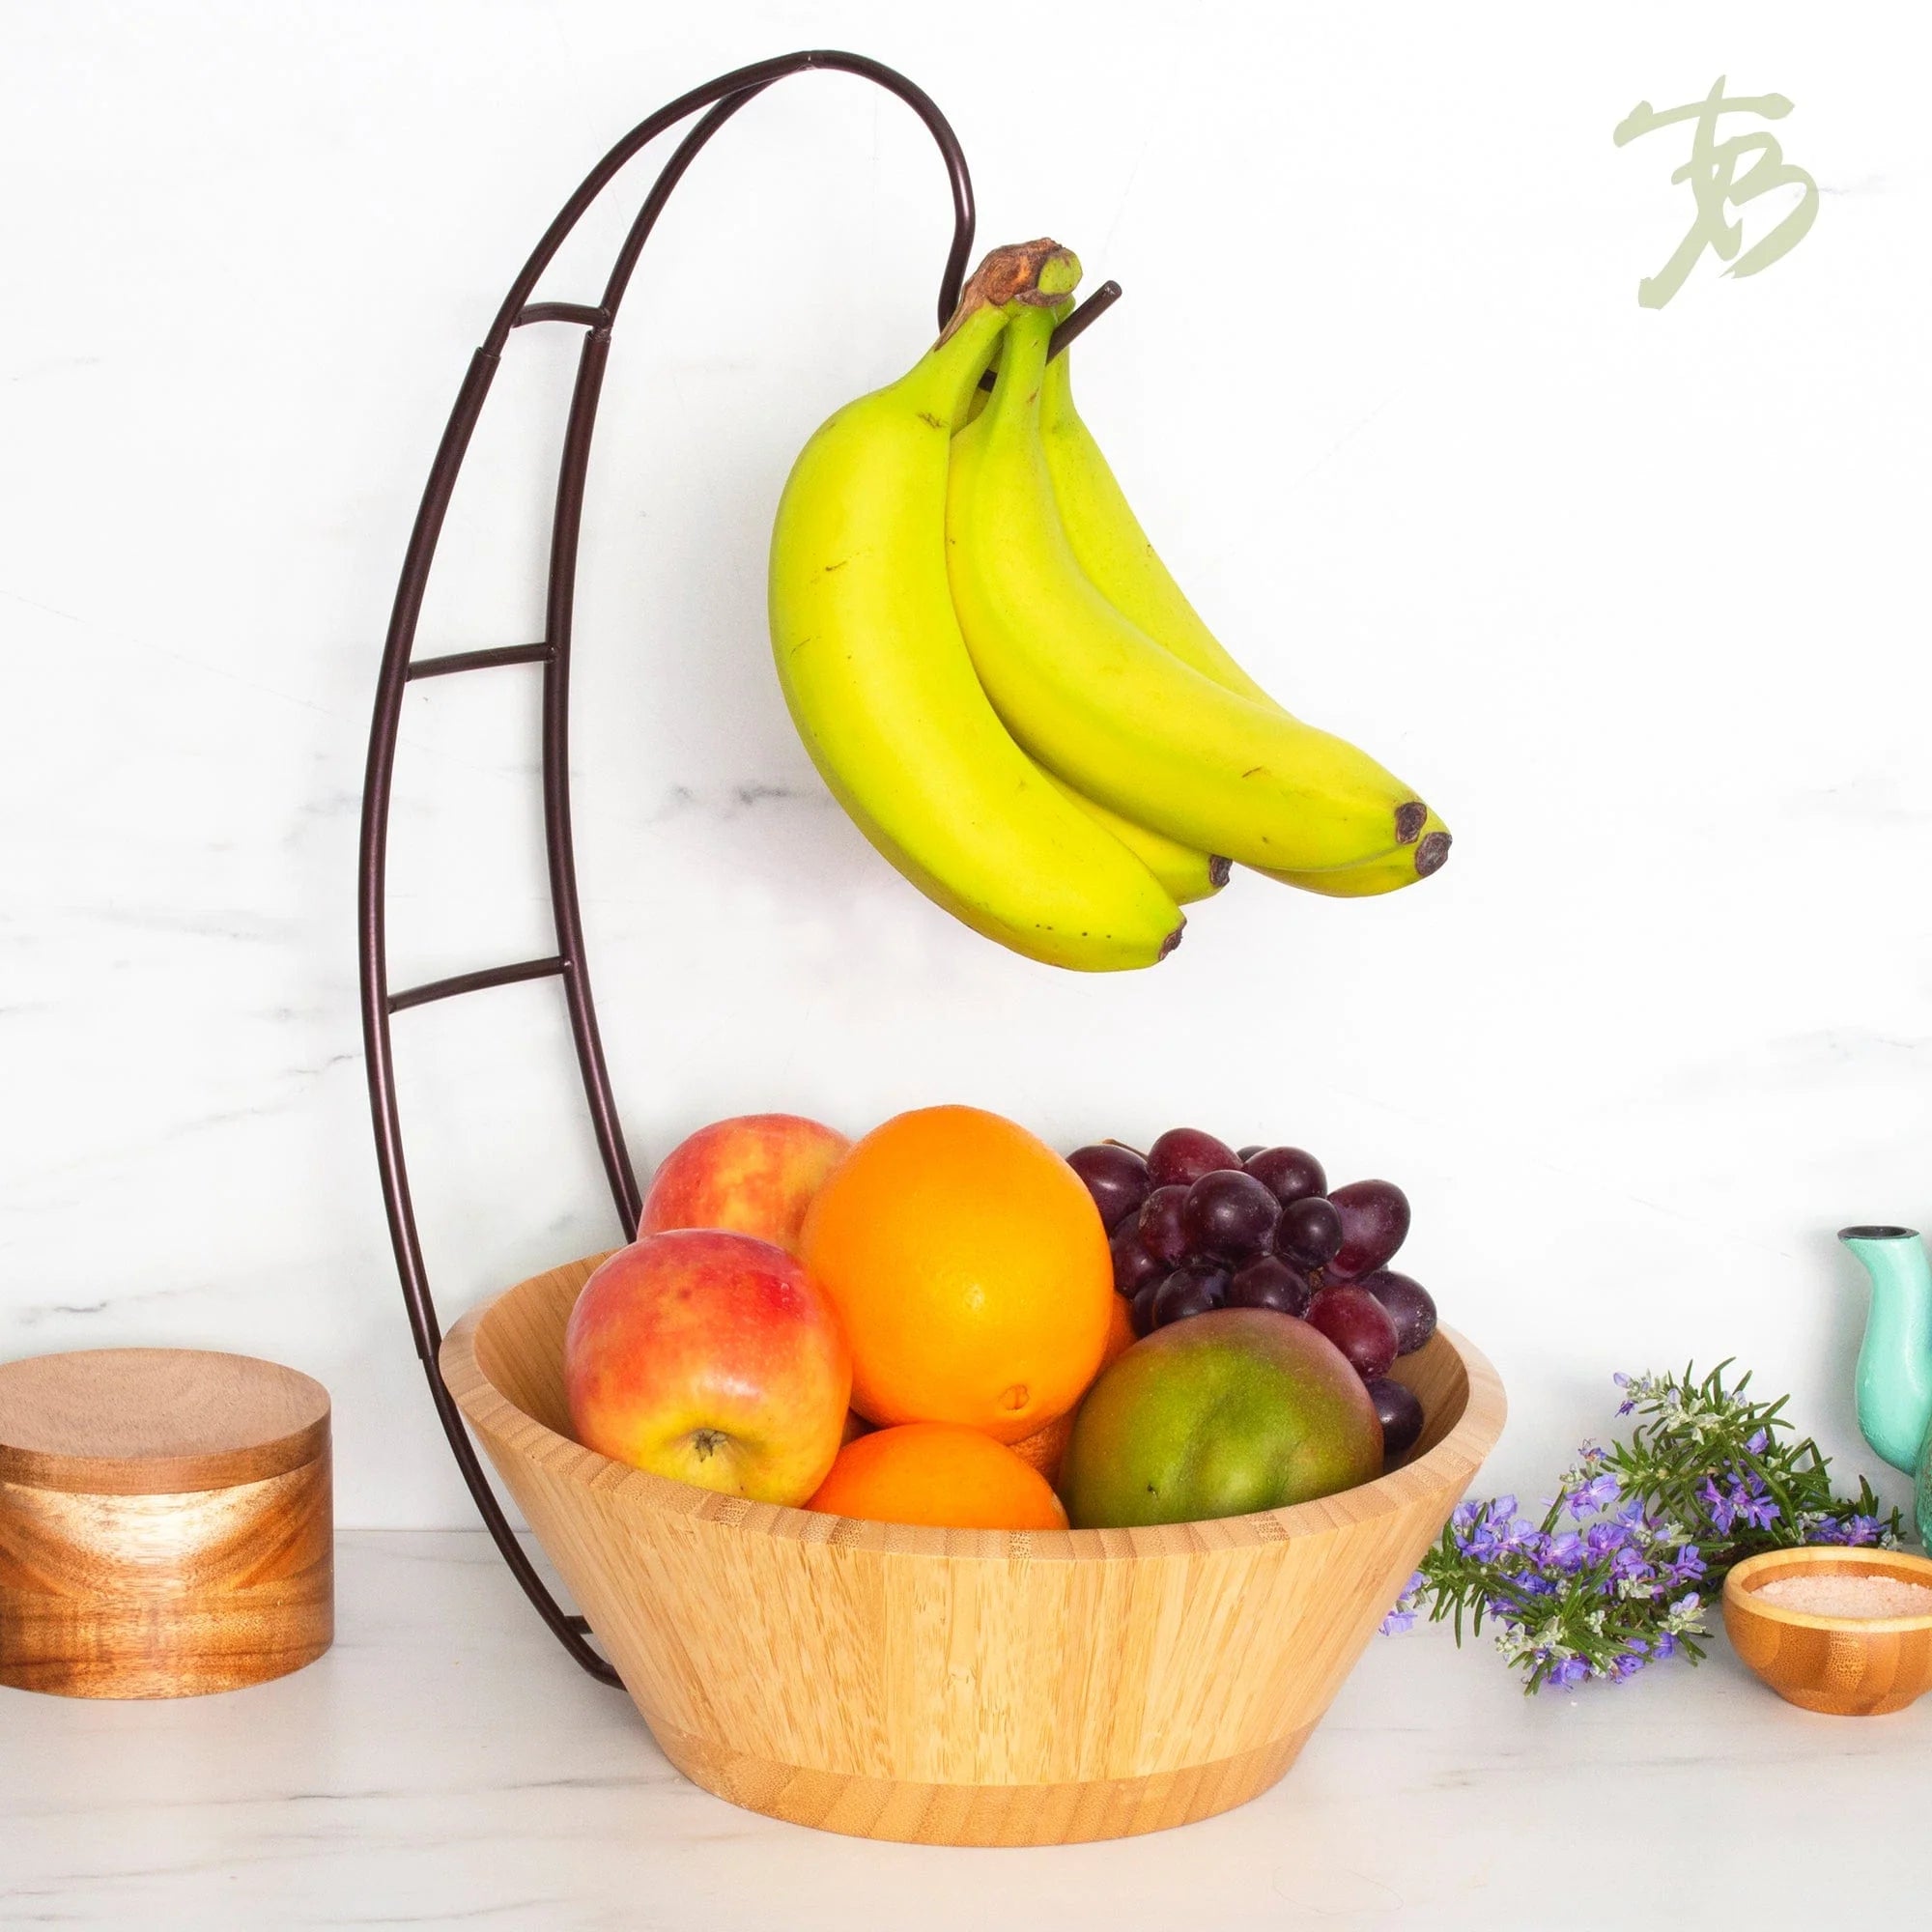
<point x="961" y="1687"/>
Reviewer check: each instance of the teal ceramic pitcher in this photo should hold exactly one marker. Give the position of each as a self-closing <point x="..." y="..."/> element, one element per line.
<point x="1894" y="1379"/>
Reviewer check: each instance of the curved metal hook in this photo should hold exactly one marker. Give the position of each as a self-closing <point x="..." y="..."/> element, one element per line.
<point x="749" y="82"/>
<point x="724" y="97"/>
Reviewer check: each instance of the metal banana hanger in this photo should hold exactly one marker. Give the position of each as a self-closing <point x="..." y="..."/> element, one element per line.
<point x="720" y="99"/>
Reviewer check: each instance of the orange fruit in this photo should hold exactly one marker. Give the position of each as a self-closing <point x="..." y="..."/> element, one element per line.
<point x="1044" y="1447"/>
<point x="970" y="1268"/>
<point x="1121" y="1336"/>
<point x="937" y="1473"/>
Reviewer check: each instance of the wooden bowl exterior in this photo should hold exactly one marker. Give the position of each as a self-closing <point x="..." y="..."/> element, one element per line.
<point x="1843" y="1666"/>
<point x="960" y="1687"/>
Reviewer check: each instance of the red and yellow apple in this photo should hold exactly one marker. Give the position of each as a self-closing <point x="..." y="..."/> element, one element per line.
<point x="754" y="1175"/>
<point x="713" y="1358"/>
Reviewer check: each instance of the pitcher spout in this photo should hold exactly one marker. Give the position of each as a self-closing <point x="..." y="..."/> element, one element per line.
<point x="1894" y="1379"/>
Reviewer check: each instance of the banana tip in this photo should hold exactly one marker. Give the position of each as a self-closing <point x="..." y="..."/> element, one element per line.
<point x="1409" y="819"/>
<point x="1172" y="939"/>
<point x="1433" y="854"/>
<point x="1221" y="871"/>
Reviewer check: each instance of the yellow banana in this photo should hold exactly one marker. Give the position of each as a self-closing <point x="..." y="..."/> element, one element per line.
<point x="1110" y="545"/>
<point x="1187" y="874"/>
<point x="1098" y="701"/>
<point x="882" y="691"/>
<point x="1402" y="867"/>
<point x="1113" y="550"/>
<point x="1190" y="876"/>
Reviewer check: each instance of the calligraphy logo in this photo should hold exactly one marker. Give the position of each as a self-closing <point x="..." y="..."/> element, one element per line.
<point x="1713" y="172"/>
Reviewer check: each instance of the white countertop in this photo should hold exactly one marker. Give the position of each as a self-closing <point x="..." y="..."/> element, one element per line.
<point x="446" y="1764"/>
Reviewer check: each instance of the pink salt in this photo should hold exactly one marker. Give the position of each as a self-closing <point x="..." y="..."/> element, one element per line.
<point x="1844" y="1594"/>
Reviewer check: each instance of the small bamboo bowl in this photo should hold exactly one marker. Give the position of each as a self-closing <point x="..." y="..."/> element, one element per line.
<point x="961" y="1687"/>
<point x="1844" y="1666"/>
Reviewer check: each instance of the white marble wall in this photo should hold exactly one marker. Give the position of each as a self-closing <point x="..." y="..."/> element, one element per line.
<point x="1636" y="598"/>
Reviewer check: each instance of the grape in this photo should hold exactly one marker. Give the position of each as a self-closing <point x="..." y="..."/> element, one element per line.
<point x="1401" y="1417"/>
<point x="1309" y="1231"/>
<point x="1189" y="1290"/>
<point x="1408" y="1302"/>
<point x="1143" y="1308"/>
<point x="1229" y="1216"/>
<point x="1184" y="1154"/>
<point x="1288" y="1173"/>
<point x="1374" y="1220"/>
<point x="1357" y="1325"/>
<point x="1271" y="1283"/>
<point x="1133" y="1267"/>
<point x="1159" y="1227"/>
<point x="1248" y="1153"/>
<point x="1116" y="1176"/>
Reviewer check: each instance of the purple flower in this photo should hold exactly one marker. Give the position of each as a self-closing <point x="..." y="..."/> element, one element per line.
<point x="1752" y="1504"/>
<point x="1636" y="1654"/>
<point x="1524" y="1537"/>
<point x="1663" y="1645"/>
<point x="1564" y="1552"/>
<point x="1600" y="1492"/>
<point x="1755" y="1446"/>
<point x="1572" y="1670"/>
<point x="1861" y="1530"/>
<point x="1530" y="1583"/>
<point x="1627" y="1566"/>
<point x="1720" y="1508"/>
<point x="1605" y="1539"/>
<point x="1402" y="1616"/>
<point x="1684" y="1568"/>
<point x="1496" y="1531"/>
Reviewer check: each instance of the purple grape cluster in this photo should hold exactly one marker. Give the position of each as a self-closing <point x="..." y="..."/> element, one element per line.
<point x="1195" y="1225"/>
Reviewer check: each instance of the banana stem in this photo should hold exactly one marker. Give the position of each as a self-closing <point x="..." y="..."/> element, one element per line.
<point x="1034" y="273"/>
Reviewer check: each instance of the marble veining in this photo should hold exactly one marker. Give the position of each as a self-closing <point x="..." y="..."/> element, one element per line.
<point x="1659" y="1028"/>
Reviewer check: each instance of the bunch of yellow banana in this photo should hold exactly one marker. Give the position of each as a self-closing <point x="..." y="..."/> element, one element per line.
<point x="1001" y="684"/>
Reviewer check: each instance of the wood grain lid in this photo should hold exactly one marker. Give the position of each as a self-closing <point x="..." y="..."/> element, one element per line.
<point x="138" y="1422"/>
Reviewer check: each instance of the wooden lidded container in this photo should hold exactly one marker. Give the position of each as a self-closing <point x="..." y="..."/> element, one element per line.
<point x="166" y="1524"/>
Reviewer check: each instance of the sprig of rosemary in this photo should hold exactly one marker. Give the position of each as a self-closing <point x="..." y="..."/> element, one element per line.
<point x="1603" y="1585"/>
